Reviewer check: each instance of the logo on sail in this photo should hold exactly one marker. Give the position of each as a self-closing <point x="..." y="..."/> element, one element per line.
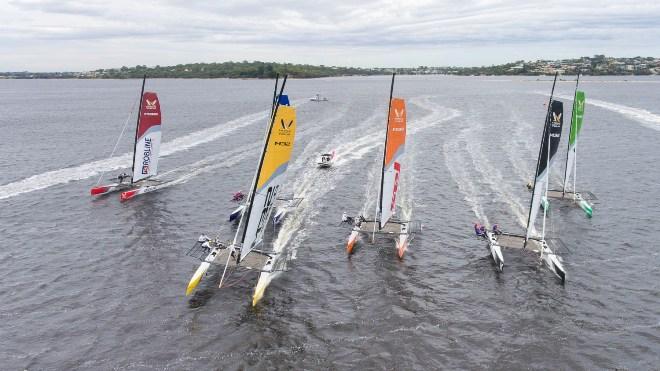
<point x="556" y="117"/>
<point x="285" y="125"/>
<point x="398" y="114"/>
<point x="146" y="159"/>
<point x="150" y="105"/>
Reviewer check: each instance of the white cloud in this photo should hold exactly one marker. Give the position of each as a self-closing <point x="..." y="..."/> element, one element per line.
<point x="77" y="35"/>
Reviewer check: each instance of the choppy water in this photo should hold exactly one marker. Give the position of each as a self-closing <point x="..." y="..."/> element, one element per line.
<point x="97" y="284"/>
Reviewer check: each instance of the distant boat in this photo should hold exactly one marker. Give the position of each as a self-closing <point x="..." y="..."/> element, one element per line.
<point x="325" y="160"/>
<point x="145" y="152"/>
<point x="318" y="98"/>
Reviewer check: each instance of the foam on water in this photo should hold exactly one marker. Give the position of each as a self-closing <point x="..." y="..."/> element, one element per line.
<point x="639" y="115"/>
<point x="471" y="167"/>
<point x="460" y="166"/>
<point x="230" y="158"/>
<point x="313" y="184"/>
<point x="111" y="284"/>
<point x="90" y="169"/>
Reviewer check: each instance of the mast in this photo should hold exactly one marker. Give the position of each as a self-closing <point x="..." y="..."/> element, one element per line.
<point x="261" y="162"/>
<point x="545" y="209"/>
<point x="254" y="179"/>
<point x="272" y="106"/>
<point x="547" y="182"/>
<point x="563" y="192"/>
<point x="137" y="125"/>
<point x="379" y="206"/>
<point x="545" y="131"/>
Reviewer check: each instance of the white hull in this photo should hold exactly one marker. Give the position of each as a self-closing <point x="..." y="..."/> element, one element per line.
<point x="495" y="250"/>
<point x="236" y="214"/>
<point x="553" y="262"/>
<point x="325" y="160"/>
<point x="280" y="214"/>
<point x="147" y="186"/>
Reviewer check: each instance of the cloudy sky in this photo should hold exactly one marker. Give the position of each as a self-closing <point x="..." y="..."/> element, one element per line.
<point x="73" y="35"/>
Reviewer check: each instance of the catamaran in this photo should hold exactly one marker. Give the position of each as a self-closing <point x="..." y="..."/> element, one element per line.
<point x="145" y="151"/>
<point x="532" y="240"/>
<point x="243" y="252"/>
<point x="579" y="198"/>
<point x="385" y="222"/>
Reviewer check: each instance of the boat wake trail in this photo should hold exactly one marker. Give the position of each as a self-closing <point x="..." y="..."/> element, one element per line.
<point x="461" y="170"/>
<point x="437" y="115"/>
<point x="312" y="183"/>
<point x="473" y="169"/>
<point x="521" y="147"/>
<point x="227" y="159"/>
<point x="84" y="171"/>
<point x="639" y="115"/>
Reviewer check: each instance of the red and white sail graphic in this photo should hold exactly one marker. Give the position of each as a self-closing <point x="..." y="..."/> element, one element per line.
<point x="148" y="136"/>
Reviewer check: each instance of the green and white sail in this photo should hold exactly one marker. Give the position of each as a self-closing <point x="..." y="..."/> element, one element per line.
<point x="576" y="126"/>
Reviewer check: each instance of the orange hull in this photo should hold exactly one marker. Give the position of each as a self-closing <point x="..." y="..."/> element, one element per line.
<point x="352" y="240"/>
<point x="401" y="247"/>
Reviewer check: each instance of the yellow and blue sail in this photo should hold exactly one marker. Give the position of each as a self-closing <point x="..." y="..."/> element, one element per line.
<point x="270" y="176"/>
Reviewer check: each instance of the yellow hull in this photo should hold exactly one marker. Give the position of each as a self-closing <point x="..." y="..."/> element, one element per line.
<point x="197" y="277"/>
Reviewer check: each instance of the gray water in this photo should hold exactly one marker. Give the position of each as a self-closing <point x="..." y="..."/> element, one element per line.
<point x="99" y="284"/>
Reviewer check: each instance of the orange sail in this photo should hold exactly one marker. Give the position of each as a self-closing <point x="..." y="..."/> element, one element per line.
<point x="394" y="149"/>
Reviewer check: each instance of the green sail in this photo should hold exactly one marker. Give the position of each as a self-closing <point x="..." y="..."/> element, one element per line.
<point x="576" y="117"/>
